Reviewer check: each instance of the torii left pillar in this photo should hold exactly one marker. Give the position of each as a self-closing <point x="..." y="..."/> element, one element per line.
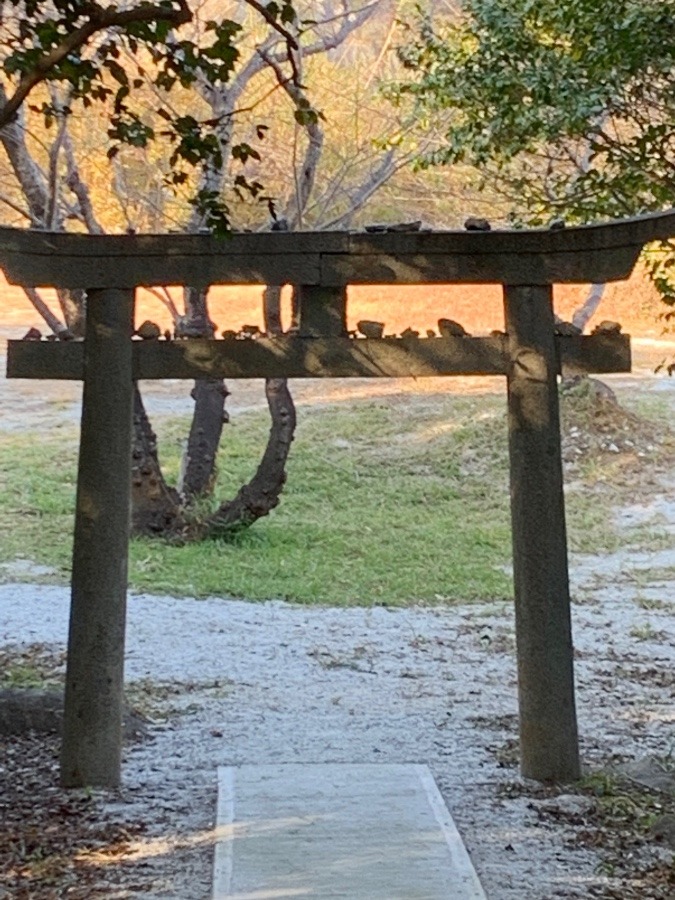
<point x="92" y="730"/>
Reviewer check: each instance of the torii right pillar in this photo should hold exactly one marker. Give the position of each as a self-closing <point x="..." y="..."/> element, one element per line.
<point x="549" y="746"/>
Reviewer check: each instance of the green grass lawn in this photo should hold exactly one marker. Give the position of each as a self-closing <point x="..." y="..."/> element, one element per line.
<point x="388" y="501"/>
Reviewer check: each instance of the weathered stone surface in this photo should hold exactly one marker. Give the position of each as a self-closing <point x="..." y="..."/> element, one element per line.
<point x="567" y="805"/>
<point x="149" y="331"/>
<point x="450" y="328"/>
<point x="566" y="328"/>
<point x="650" y="773"/>
<point x="399" y="255"/>
<point x="607" y="327"/>
<point x="290" y="356"/>
<point x="474" y="224"/>
<point x="370" y="329"/>
<point x="34" y="709"/>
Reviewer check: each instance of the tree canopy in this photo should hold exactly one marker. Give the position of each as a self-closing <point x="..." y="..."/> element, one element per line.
<point x="566" y="106"/>
<point x="110" y="53"/>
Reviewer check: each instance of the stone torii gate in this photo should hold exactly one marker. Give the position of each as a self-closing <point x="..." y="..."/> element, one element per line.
<point x="322" y="264"/>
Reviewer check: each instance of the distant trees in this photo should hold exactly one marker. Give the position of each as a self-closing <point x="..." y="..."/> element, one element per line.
<point x="173" y="94"/>
<point x="566" y="107"/>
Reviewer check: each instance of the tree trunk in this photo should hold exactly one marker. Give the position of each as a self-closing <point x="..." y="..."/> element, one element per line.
<point x="272" y="309"/>
<point x="55" y="324"/>
<point x="74" y="308"/>
<point x="156" y="507"/>
<point x="29" y="175"/>
<point x="199" y="462"/>
<point x="257" y="498"/>
<point x="261" y="495"/>
<point x="587" y="310"/>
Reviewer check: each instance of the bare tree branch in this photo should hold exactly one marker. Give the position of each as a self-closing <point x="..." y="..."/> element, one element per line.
<point x="99" y="20"/>
<point x="165" y="298"/>
<point x="351" y="21"/>
<point x="583" y="314"/>
<point x="52" y="222"/>
<point x="29" y="175"/>
<point x="258" y="59"/>
<point x="304" y="180"/>
<point x="41" y="307"/>
<point x="75" y="184"/>
<point x="379" y="176"/>
<point x="291" y="41"/>
<point x="15" y="206"/>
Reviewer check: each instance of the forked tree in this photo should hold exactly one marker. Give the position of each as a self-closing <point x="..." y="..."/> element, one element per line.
<point x="176" y="75"/>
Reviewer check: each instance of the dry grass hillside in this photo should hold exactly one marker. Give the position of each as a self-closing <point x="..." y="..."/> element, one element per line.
<point x="634" y="303"/>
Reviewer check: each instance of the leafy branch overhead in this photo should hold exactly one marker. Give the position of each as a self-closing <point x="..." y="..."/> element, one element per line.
<point x="566" y="106"/>
<point x="110" y="53"/>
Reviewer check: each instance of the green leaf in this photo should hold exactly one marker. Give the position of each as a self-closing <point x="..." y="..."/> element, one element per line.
<point x="563" y="106"/>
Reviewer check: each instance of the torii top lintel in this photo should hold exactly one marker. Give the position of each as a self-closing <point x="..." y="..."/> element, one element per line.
<point x="589" y="253"/>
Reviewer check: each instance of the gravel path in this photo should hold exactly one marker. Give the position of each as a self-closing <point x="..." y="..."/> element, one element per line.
<point x="236" y="682"/>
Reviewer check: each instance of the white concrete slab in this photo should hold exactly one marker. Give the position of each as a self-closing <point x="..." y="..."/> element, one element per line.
<point x="354" y="832"/>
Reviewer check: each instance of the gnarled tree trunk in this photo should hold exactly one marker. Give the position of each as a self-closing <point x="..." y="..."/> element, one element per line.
<point x="261" y="495"/>
<point x="156" y="507"/>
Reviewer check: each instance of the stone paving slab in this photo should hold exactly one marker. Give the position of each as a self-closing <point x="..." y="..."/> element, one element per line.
<point x="338" y="831"/>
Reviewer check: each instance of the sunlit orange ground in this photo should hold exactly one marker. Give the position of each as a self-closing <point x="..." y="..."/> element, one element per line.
<point x="478" y="307"/>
